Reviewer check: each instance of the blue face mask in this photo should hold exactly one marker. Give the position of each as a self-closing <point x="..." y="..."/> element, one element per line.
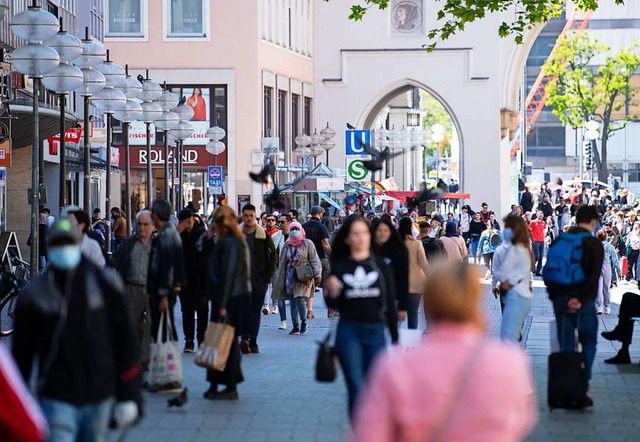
<point x="64" y="257"/>
<point x="508" y="234"/>
<point x="295" y="233"/>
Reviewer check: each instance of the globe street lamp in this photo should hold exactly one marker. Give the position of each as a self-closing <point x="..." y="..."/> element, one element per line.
<point x="215" y="147"/>
<point x="64" y="79"/>
<point x="35" y="60"/>
<point x="131" y="111"/>
<point x="108" y="100"/>
<point x="316" y="149"/>
<point x="151" y="111"/>
<point x="166" y="122"/>
<point x="327" y="143"/>
<point x="4" y="8"/>
<point x="93" y="54"/>
<point x="182" y="131"/>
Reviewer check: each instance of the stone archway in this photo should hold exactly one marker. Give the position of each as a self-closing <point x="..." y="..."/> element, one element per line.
<point x="371" y="111"/>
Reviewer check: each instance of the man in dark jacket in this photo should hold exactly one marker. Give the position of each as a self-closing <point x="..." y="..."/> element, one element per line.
<point x="131" y="260"/>
<point x="73" y="320"/>
<point x="192" y="297"/>
<point x="166" y="271"/>
<point x="574" y="306"/>
<point x="263" y="264"/>
<point x="317" y="233"/>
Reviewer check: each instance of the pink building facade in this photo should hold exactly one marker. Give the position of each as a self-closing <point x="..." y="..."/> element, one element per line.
<point x="244" y="66"/>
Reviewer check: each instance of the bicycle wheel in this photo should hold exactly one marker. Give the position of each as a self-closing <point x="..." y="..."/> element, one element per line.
<point x="7" y="314"/>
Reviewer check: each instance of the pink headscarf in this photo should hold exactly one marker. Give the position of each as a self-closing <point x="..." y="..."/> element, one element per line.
<point x="296" y="242"/>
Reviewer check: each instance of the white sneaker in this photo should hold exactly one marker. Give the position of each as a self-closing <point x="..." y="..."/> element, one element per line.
<point x="265" y="310"/>
<point x="274" y="310"/>
<point x="607" y="310"/>
<point x="599" y="311"/>
<point x="283" y="325"/>
<point x="487" y="275"/>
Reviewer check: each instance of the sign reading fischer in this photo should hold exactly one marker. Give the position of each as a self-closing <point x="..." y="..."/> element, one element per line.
<point x="192" y="156"/>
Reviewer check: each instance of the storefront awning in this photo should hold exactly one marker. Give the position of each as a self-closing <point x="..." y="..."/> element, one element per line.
<point x="22" y="124"/>
<point x="76" y="163"/>
<point x="403" y="195"/>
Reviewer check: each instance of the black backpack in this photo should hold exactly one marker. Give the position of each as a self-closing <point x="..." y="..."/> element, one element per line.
<point x="495" y="240"/>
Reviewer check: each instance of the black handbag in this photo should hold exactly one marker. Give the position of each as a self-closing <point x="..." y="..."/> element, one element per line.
<point x="326" y="367"/>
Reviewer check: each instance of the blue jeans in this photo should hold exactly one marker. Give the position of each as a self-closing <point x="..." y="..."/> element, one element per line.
<point x="412" y="312"/>
<point x="298" y="310"/>
<point x="585" y="320"/>
<point x="516" y="309"/>
<point x="357" y="345"/>
<point x="475" y="240"/>
<point x="282" y="310"/>
<point x="71" y="423"/>
<point x="538" y="253"/>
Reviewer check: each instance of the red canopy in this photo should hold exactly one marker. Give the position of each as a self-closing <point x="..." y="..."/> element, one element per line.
<point x="403" y="195"/>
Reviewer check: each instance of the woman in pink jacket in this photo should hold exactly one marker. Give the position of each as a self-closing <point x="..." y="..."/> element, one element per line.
<point x="457" y="385"/>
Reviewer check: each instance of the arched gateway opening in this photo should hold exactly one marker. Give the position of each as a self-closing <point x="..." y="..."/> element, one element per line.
<point x="421" y="129"/>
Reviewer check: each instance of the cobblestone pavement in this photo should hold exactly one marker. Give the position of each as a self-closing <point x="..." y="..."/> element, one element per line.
<point x="280" y="401"/>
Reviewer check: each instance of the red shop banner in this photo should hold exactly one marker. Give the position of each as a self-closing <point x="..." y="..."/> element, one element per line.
<point x="192" y="157"/>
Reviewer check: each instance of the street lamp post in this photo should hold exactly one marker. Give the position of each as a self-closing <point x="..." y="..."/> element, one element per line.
<point x="591" y="134"/>
<point x="302" y="152"/>
<point x="437" y="136"/>
<point x="316" y="148"/>
<point x="182" y="131"/>
<point x="64" y="79"/>
<point x="35" y="60"/>
<point x="166" y="122"/>
<point x="215" y="147"/>
<point x="151" y="111"/>
<point x="93" y="53"/>
<point x="131" y="111"/>
<point x="327" y="142"/>
<point x="109" y="100"/>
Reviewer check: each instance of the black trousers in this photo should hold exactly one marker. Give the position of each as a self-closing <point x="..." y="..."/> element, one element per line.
<point x="629" y="308"/>
<point x="238" y="314"/>
<point x="412" y="311"/>
<point x="633" y="261"/>
<point x="192" y="303"/>
<point x="258" y="293"/>
<point x="154" y="303"/>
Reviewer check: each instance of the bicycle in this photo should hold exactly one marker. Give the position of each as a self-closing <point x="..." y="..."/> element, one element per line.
<point x="11" y="284"/>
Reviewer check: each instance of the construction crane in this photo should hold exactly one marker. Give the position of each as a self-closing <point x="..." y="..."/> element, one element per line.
<point x="537" y="98"/>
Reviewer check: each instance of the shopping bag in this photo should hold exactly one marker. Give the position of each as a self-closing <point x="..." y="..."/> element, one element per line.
<point x="408" y="338"/>
<point x="326" y="367"/>
<point x="214" y="351"/>
<point x="165" y="365"/>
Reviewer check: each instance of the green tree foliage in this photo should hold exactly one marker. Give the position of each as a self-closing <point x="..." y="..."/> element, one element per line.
<point x="455" y="15"/>
<point x="579" y="91"/>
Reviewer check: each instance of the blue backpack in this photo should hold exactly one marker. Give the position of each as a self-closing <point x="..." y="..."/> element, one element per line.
<point x="564" y="260"/>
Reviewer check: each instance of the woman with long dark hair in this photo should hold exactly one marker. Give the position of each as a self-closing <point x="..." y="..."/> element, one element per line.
<point x="362" y="288"/>
<point x="453" y="244"/>
<point x="513" y="263"/>
<point x="418" y="268"/>
<point x="231" y="296"/>
<point x="389" y="247"/>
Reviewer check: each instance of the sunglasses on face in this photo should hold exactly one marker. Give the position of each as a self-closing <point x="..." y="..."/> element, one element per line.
<point x="271" y="220"/>
<point x="283" y="221"/>
<point x="294" y="229"/>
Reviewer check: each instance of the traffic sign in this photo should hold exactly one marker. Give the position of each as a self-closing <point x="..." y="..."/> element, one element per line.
<point x="356" y="171"/>
<point x="351" y="143"/>
<point x="215" y="176"/>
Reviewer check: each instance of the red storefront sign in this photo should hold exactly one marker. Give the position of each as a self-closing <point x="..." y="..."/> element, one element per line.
<point x="72" y="135"/>
<point x="192" y="157"/>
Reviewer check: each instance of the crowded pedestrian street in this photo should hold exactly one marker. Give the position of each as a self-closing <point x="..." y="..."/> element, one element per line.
<point x="282" y="402"/>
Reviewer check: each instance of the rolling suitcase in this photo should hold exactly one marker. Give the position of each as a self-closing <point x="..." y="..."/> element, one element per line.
<point x="624" y="262"/>
<point x="568" y="383"/>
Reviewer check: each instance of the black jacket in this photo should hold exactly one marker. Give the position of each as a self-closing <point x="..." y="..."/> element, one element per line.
<point x="193" y="263"/>
<point x="166" y="267"/>
<point x="120" y="257"/>
<point x="264" y="259"/>
<point x="86" y="355"/>
<point x="228" y="270"/>
<point x="397" y="257"/>
<point x="592" y="257"/>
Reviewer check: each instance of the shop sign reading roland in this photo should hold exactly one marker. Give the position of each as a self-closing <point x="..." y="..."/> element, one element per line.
<point x="192" y="157"/>
<point x="5" y="146"/>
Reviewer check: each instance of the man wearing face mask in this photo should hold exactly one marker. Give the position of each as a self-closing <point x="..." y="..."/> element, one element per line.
<point x="73" y="320"/>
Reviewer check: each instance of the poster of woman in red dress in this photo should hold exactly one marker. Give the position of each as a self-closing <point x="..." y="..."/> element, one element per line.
<point x="199" y="105"/>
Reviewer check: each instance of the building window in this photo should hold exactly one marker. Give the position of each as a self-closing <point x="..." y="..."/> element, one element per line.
<point x="267" y="100"/>
<point x="282" y="118"/>
<point x="634" y="173"/>
<point x="125" y="18"/>
<point x="308" y="103"/>
<point x="186" y="18"/>
<point x="295" y="116"/>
